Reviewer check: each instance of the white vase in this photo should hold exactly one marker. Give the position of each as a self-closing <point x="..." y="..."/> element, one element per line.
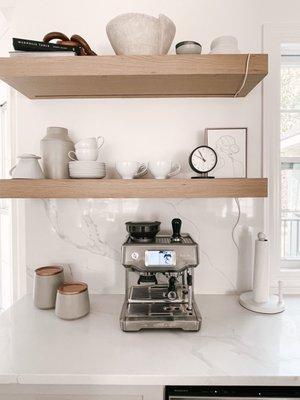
<point x="55" y="147"/>
<point x="140" y="34"/>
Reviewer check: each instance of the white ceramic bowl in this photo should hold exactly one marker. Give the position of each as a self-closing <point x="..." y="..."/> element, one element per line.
<point x="224" y="45"/>
<point x="140" y="34"/>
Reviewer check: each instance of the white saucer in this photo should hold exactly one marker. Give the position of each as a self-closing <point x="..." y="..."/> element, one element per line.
<point x="87" y="171"/>
<point x="87" y="176"/>
<point x="76" y="162"/>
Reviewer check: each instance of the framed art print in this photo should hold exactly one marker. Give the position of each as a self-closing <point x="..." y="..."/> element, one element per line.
<point x="230" y="144"/>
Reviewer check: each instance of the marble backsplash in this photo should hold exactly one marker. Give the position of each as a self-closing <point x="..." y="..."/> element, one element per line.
<point x="85" y="235"/>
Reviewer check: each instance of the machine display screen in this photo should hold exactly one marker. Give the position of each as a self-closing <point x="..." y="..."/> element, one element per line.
<point x="160" y="257"/>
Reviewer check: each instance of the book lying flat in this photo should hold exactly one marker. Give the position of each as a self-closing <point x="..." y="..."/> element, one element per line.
<point x="42" y="53"/>
<point x="34" y="45"/>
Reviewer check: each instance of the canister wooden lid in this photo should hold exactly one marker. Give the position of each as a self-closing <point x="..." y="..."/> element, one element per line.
<point x="49" y="270"/>
<point x="73" y="288"/>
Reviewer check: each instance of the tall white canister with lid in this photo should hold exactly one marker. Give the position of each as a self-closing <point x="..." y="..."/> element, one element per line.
<point x="55" y="147"/>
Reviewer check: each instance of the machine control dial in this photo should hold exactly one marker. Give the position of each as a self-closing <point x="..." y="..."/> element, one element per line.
<point x="134" y="255"/>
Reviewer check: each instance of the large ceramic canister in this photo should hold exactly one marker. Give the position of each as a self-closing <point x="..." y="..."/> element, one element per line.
<point x="55" y="147"/>
<point x="46" y="282"/>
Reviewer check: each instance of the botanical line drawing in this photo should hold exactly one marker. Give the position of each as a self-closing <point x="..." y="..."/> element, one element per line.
<point x="228" y="151"/>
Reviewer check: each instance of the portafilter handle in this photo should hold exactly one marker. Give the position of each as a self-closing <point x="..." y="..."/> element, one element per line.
<point x="176" y="225"/>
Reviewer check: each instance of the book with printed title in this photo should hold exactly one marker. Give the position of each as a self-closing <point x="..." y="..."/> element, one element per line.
<point x="36" y="46"/>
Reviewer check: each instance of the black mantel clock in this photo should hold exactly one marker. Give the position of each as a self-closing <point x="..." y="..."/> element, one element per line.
<point x="202" y="160"/>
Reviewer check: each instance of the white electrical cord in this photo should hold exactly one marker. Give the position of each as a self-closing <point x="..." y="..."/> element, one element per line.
<point x="236" y="223"/>
<point x="245" y="77"/>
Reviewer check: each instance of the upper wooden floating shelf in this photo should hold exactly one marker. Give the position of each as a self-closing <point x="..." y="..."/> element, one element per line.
<point x="135" y="188"/>
<point x="133" y="76"/>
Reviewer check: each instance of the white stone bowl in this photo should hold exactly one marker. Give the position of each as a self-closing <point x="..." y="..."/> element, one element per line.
<point x="140" y="34"/>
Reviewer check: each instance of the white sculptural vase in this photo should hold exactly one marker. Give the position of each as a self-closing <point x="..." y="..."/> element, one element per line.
<point x="140" y="34"/>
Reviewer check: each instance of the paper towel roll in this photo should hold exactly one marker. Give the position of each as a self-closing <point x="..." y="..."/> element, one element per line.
<point x="261" y="275"/>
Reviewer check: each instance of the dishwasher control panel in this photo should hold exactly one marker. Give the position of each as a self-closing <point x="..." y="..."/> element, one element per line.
<point x="231" y="392"/>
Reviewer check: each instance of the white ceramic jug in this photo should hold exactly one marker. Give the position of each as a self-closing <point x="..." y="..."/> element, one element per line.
<point x="27" y="167"/>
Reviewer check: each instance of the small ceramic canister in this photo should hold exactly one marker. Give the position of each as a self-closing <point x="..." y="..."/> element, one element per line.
<point x="46" y="282"/>
<point x="72" y="301"/>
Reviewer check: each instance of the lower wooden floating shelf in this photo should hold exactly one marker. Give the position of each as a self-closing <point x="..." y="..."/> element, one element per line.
<point x="135" y="188"/>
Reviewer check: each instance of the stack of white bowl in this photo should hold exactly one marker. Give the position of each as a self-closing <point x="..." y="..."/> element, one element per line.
<point x="86" y="164"/>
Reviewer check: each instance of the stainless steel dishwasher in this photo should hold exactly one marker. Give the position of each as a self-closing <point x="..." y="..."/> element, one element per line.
<point x="231" y="392"/>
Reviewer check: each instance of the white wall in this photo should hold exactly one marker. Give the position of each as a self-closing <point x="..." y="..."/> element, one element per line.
<point x="145" y="129"/>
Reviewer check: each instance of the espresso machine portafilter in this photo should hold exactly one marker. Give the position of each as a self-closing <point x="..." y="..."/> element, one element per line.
<point x="159" y="287"/>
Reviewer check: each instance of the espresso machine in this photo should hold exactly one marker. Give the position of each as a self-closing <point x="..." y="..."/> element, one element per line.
<point x="159" y="292"/>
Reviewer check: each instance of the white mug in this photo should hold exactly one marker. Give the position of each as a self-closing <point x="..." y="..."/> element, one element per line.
<point x="90" y="143"/>
<point x="84" y="154"/>
<point x="163" y="169"/>
<point x="130" y="169"/>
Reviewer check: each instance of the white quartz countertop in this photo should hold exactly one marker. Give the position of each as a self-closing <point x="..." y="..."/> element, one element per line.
<point x="234" y="346"/>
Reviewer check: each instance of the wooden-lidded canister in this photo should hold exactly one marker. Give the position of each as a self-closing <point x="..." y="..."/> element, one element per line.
<point x="73" y="288"/>
<point x="72" y="301"/>
<point x="48" y="271"/>
<point x="46" y="282"/>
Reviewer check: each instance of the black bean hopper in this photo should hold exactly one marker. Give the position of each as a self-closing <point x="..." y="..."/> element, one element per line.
<point x="159" y="292"/>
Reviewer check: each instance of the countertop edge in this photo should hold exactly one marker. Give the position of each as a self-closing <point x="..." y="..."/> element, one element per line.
<point x="105" y="380"/>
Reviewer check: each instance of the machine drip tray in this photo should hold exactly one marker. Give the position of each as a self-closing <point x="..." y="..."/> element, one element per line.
<point x="157" y="310"/>
<point x="137" y="316"/>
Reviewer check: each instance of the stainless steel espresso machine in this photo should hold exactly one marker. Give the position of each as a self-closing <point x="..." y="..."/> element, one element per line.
<point x="159" y="291"/>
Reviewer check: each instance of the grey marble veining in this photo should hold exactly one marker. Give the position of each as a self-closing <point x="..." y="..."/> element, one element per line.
<point x="87" y="234"/>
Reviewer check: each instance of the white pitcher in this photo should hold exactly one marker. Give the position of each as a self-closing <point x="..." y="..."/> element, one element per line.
<point x="27" y="167"/>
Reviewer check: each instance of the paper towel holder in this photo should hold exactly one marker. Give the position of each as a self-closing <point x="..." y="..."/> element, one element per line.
<point x="274" y="304"/>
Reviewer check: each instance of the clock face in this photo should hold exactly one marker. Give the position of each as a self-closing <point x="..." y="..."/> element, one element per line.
<point x="203" y="159"/>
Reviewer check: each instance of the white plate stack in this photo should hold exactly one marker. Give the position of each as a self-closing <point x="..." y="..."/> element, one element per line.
<point x="87" y="169"/>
